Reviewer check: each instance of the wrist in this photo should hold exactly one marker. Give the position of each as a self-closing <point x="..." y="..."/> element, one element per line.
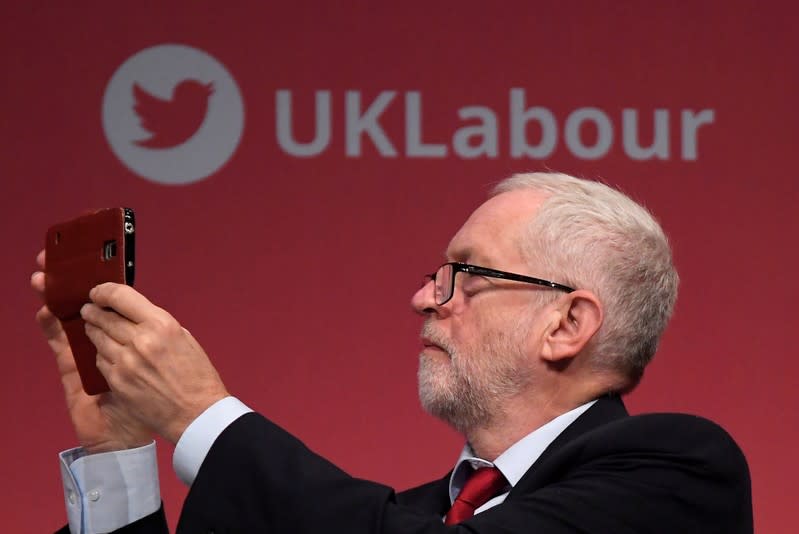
<point x="178" y="425"/>
<point x="199" y="437"/>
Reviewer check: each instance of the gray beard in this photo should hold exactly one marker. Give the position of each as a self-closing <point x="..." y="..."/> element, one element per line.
<point x="469" y="391"/>
<point x="453" y="401"/>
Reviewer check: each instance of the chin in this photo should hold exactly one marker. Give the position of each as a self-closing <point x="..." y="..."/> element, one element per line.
<point x="436" y="386"/>
<point x="434" y="367"/>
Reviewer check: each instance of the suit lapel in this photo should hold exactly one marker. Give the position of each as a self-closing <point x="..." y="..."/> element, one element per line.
<point x="605" y="409"/>
<point x="433" y="498"/>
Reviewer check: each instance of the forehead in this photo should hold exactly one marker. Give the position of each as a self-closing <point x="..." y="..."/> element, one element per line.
<point x="491" y="233"/>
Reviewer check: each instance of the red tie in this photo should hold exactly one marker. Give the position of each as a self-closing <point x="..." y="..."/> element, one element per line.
<point x="484" y="484"/>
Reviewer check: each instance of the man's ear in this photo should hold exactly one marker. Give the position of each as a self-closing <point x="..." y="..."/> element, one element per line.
<point x="575" y="319"/>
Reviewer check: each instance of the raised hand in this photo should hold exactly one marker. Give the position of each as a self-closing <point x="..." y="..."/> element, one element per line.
<point x="101" y="422"/>
<point x="152" y="364"/>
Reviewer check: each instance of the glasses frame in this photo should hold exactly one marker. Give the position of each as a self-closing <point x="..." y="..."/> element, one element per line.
<point x="458" y="267"/>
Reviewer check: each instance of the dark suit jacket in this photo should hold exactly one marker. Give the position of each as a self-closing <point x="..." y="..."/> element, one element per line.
<point x="606" y="473"/>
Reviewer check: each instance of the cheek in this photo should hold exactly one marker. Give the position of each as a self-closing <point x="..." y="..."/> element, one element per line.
<point x="487" y="323"/>
<point x="491" y="332"/>
<point x="506" y="335"/>
<point x="473" y="335"/>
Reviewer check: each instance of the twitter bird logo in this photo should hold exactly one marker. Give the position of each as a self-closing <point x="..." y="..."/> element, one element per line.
<point x="173" y="114"/>
<point x="172" y="122"/>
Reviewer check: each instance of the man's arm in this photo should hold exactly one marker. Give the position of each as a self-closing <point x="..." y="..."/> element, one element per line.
<point x="101" y="423"/>
<point x="151" y="524"/>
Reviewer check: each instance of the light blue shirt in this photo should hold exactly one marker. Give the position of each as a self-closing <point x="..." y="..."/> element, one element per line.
<point x="514" y="462"/>
<point x="107" y="491"/>
<point x="104" y="492"/>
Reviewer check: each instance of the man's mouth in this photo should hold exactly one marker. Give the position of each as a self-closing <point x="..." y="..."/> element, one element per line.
<point x="432" y="340"/>
<point x="429" y="344"/>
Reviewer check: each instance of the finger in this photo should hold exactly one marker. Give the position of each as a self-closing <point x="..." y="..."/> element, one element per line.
<point x="37" y="283"/>
<point x="126" y="301"/>
<point x="52" y="328"/>
<point x="40" y="257"/>
<point x="108" y="349"/>
<point x="119" y="328"/>
<point x="57" y="340"/>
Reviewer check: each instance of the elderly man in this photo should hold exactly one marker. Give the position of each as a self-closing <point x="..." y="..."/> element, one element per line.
<point x="551" y="303"/>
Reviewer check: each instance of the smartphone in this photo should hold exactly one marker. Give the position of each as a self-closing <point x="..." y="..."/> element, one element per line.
<point x="80" y="254"/>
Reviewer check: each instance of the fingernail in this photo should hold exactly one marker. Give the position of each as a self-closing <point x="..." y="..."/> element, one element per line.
<point x="84" y="309"/>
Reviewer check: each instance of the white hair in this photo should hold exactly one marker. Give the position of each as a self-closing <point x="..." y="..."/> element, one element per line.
<point x="589" y="236"/>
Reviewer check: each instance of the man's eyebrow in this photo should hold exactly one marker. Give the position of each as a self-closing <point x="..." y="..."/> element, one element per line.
<point x="467" y="255"/>
<point x="461" y="255"/>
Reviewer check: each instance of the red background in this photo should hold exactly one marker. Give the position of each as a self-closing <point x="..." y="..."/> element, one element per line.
<point x="295" y="274"/>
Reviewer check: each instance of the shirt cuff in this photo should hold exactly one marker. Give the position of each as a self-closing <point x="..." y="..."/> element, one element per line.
<point x="106" y="491"/>
<point x="199" y="436"/>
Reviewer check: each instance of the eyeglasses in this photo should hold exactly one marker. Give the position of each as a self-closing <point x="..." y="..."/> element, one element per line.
<point x="444" y="279"/>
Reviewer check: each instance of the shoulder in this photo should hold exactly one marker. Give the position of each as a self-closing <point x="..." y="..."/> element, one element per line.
<point x="653" y="473"/>
<point x="674" y="447"/>
<point x="669" y="433"/>
<point x="607" y="431"/>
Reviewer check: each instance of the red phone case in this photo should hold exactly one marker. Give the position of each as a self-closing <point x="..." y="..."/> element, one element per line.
<point x="81" y="254"/>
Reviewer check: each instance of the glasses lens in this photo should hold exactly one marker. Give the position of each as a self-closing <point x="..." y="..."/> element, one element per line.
<point x="443" y="284"/>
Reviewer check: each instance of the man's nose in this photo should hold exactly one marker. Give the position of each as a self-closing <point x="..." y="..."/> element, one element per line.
<point x="423" y="301"/>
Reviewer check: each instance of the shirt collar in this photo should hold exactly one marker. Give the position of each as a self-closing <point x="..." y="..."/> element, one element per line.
<point x="516" y="460"/>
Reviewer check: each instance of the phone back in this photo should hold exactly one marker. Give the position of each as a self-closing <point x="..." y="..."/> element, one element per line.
<point x="80" y="254"/>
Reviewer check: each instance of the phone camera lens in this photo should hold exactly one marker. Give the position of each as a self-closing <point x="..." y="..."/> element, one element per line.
<point x="128" y="227"/>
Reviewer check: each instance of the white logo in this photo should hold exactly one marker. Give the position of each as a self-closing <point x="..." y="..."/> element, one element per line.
<point x="173" y="114"/>
<point x="643" y="134"/>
